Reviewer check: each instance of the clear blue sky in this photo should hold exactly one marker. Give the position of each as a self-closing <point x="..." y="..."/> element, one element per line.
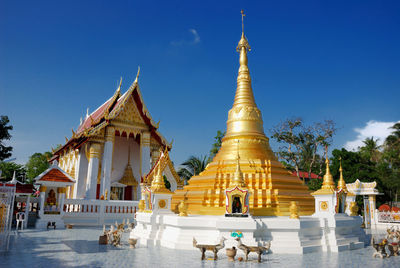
<point x="319" y="60"/>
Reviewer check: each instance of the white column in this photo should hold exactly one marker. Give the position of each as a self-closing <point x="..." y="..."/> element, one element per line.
<point x="107" y="161"/>
<point x="145" y="150"/>
<point x="42" y="196"/>
<point x="80" y="174"/>
<point x="28" y="203"/>
<point x="61" y="198"/>
<point x="372" y="208"/>
<point x="93" y="170"/>
<point x="144" y="158"/>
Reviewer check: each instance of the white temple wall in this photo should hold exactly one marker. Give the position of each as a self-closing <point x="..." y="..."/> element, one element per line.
<point x="120" y="158"/>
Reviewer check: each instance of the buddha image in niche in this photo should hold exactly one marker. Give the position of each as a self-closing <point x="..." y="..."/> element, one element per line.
<point x="236" y="205"/>
<point x="51" y="198"/>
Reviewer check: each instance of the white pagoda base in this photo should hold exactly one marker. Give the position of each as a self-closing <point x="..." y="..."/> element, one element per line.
<point x="293" y="236"/>
<point x="46" y="218"/>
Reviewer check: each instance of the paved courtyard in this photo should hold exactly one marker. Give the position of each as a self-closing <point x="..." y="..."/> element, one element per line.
<point x="80" y="248"/>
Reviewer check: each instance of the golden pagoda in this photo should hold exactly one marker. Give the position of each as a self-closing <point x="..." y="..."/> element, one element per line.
<point x="328" y="185"/>
<point x="341" y="183"/>
<point x="270" y="185"/>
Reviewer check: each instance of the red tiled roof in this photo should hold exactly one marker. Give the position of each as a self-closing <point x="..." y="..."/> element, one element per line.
<point x="24" y="188"/>
<point x="304" y="174"/>
<point x="95" y="116"/>
<point x="55" y="175"/>
<point x="113" y="105"/>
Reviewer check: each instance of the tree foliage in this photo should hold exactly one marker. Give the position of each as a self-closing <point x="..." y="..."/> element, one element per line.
<point x="5" y="128"/>
<point x="8" y="169"/>
<point x="192" y="167"/>
<point x="301" y="144"/>
<point x="36" y="164"/>
<point x="216" y="145"/>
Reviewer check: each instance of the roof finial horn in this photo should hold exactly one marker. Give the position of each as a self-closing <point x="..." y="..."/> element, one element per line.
<point x="137" y="75"/>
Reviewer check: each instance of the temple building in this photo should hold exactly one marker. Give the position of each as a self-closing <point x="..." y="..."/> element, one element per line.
<point x="271" y="186"/>
<point x="113" y="148"/>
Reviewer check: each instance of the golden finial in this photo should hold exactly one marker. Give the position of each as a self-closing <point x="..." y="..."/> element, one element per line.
<point x="328" y="186"/>
<point x="120" y="83"/>
<point x="243" y="15"/>
<point x="341" y="182"/>
<point x="137" y="75"/>
<point x="328" y="179"/>
<point x="237" y="179"/>
<point x="243" y="43"/>
<point x="73" y="133"/>
<point x="158" y="185"/>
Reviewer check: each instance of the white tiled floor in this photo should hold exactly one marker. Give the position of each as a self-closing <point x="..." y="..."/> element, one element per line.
<point x="80" y="248"/>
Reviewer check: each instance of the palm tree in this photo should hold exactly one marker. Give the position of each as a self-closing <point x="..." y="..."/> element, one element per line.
<point x="371" y="149"/>
<point x="192" y="167"/>
<point x="394" y="138"/>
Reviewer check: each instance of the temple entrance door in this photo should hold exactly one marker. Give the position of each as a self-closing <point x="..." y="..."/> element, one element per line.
<point x="236" y="204"/>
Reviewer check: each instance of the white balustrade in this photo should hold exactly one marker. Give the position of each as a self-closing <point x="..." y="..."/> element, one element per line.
<point x="98" y="212"/>
<point x="389" y="217"/>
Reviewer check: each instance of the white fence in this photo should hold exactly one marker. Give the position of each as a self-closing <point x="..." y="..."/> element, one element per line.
<point x="98" y="212"/>
<point x="388" y="217"/>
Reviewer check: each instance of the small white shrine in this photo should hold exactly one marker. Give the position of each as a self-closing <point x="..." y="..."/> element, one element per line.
<point x="53" y="183"/>
<point x="369" y="192"/>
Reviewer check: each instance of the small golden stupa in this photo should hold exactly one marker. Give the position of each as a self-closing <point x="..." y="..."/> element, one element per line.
<point x="270" y="185"/>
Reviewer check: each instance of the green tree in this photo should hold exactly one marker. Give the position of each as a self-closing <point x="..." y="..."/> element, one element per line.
<point x="371" y="150"/>
<point x="37" y="163"/>
<point x="5" y="151"/>
<point x="167" y="183"/>
<point x="216" y="145"/>
<point x="389" y="164"/>
<point x="192" y="167"/>
<point x="8" y="168"/>
<point x="301" y="144"/>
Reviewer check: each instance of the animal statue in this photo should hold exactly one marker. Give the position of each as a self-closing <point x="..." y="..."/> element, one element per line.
<point x="214" y="248"/>
<point x="393" y="238"/>
<point x="258" y="249"/>
<point x="114" y="234"/>
<point x="379" y="248"/>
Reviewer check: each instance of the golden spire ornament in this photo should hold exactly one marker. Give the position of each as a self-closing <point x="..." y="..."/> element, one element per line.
<point x="237" y="179"/>
<point x="158" y="185"/>
<point x="341" y="182"/>
<point x="328" y="185"/>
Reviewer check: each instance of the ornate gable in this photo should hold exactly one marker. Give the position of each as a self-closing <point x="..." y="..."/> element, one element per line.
<point x="130" y="114"/>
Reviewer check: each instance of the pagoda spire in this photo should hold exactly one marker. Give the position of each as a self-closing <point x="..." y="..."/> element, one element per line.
<point x="238" y="176"/>
<point x="341" y="182"/>
<point x="158" y="185"/>
<point x="244" y="118"/>
<point x="328" y="179"/>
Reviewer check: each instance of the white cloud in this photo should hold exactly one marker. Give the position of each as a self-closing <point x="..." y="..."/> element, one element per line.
<point x="196" y="39"/>
<point x="195" y="35"/>
<point x="376" y="129"/>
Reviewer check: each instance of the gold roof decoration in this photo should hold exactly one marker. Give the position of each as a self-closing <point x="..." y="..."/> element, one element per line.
<point x="237" y="179"/>
<point x="164" y="160"/>
<point x="258" y="167"/>
<point x="128" y="178"/>
<point x="328" y="185"/>
<point x="158" y="185"/>
<point x="341" y="183"/>
<point x="243" y="43"/>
